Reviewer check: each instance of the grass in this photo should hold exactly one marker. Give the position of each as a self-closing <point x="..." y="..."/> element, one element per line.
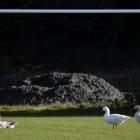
<point x="70" y="128"/>
<point x="64" y="121"/>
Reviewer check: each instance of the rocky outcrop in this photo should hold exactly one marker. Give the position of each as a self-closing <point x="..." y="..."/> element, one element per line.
<point x="62" y="87"/>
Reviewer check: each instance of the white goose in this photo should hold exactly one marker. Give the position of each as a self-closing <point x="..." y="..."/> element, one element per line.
<point x="137" y="114"/>
<point x="114" y="119"/>
<point x="7" y="124"/>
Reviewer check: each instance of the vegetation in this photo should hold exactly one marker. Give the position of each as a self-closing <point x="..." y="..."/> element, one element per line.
<point x="61" y="42"/>
<point x="56" y="106"/>
<point x="65" y="109"/>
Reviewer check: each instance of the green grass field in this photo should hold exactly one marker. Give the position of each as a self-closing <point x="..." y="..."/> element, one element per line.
<point x="68" y="128"/>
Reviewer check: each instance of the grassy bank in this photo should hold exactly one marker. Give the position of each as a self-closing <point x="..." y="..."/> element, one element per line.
<point x="59" y="109"/>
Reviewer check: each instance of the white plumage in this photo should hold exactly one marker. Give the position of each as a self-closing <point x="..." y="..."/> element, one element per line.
<point x="137" y="114"/>
<point x="7" y="124"/>
<point x="114" y="119"/>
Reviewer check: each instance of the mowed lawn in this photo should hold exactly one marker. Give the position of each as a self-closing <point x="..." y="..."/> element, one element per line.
<point x="68" y="128"/>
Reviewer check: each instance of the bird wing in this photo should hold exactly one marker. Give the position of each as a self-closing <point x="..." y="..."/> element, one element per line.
<point x="118" y="118"/>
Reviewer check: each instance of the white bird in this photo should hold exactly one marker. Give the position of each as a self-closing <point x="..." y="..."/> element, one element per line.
<point x="137" y="114"/>
<point x="7" y="124"/>
<point x="114" y="119"/>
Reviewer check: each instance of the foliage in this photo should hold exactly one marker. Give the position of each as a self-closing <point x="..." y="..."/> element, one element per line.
<point x="52" y="87"/>
<point x="68" y="106"/>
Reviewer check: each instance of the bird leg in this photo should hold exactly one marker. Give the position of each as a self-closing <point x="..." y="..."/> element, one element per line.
<point x="116" y="126"/>
<point x="113" y="126"/>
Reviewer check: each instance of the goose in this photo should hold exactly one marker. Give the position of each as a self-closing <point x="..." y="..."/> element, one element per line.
<point x="137" y="114"/>
<point x="114" y="119"/>
<point x="7" y="124"/>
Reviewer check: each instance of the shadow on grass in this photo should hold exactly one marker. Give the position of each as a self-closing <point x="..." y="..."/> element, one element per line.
<point x="64" y="113"/>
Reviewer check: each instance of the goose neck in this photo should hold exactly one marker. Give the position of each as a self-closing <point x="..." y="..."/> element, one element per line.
<point x="107" y="112"/>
